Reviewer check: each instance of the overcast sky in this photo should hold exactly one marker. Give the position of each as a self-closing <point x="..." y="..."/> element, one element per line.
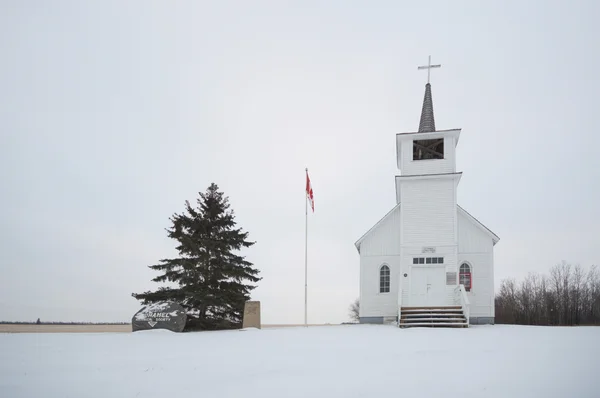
<point x="113" y="113"/>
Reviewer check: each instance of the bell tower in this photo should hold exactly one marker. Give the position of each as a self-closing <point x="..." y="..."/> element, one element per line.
<point x="427" y="151"/>
<point x="426" y="193"/>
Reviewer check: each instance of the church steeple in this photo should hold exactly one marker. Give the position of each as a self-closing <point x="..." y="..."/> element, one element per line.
<point x="427" y="154"/>
<point x="427" y="123"/>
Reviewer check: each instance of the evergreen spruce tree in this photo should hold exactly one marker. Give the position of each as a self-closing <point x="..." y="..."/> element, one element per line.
<point x="209" y="273"/>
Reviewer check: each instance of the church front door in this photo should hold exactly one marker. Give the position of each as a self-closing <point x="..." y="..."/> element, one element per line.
<point x="427" y="286"/>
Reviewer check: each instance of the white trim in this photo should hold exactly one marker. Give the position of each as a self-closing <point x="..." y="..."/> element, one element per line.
<point x="429" y="135"/>
<point x="360" y="240"/>
<point x="411" y="136"/>
<point x="455" y="213"/>
<point x="379" y="278"/>
<point x="470" y="291"/>
<point x="428" y="160"/>
<point x="401" y="204"/>
<point x="398" y="155"/>
<point x="466" y="263"/>
<point x="425" y="256"/>
<point x="447" y="176"/>
<point x="442" y="176"/>
<point x="477" y="223"/>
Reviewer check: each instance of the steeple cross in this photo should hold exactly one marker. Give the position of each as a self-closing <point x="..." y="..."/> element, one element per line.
<point x="429" y="67"/>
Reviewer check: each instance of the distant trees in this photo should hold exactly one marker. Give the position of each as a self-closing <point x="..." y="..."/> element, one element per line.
<point x="354" y="310"/>
<point x="568" y="296"/>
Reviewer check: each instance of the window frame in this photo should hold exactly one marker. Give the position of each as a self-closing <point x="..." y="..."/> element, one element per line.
<point x="441" y="141"/>
<point x="422" y="260"/>
<point x="382" y="281"/>
<point x="468" y="274"/>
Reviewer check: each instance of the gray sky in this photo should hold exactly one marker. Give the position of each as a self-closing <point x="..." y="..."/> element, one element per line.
<point x="113" y="113"/>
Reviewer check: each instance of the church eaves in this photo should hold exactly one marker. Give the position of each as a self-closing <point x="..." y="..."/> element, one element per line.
<point x="427" y="123"/>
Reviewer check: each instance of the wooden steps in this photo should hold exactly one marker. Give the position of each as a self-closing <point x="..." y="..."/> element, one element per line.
<point x="438" y="316"/>
<point x="444" y="307"/>
<point x="435" y="325"/>
<point x="431" y="310"/>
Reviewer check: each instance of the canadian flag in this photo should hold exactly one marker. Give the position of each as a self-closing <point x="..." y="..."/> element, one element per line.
<point x="309" y="192"/>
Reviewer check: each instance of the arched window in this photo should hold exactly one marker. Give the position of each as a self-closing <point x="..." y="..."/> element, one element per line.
<point x="465" y="276"/>
<point x="384" y="279"/>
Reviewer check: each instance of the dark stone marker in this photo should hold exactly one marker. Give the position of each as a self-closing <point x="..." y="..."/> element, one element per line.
<point x="164" y="315"/>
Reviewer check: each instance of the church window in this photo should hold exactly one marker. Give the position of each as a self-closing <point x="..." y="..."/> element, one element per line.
<point x="428" y="149"/>
<point x="384" y="279"/>
<point x="465" y="276"/>
<point x="428" y="260"/>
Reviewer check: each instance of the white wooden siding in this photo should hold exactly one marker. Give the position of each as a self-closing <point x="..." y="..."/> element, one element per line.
<point x="471" y="239"/>
<point x="428" y="212"/>
<point x="408" y="166"/>
<point x="481" y="295"/>
<point x="427" y="215"/>
<point x="476" y="246"/>
<point x="384" y="239"/>
<point x="373" y="303"/>
<point x="382" y="246"/>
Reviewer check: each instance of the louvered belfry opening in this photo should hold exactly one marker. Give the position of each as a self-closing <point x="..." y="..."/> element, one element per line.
<point x="428" y="149"/>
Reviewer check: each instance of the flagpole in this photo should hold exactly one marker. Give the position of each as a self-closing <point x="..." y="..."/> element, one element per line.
<point x="305" y="255"/>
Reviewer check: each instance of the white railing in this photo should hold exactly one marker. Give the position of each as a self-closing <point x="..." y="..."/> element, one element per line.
<point x="460" y="298"/>
<point x="399" y="301"/>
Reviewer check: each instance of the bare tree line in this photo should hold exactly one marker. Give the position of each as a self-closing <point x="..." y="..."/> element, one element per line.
<point x="568" y="296"/>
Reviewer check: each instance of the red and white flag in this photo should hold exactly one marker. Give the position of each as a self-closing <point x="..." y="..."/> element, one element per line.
<point x="309" y="192"/>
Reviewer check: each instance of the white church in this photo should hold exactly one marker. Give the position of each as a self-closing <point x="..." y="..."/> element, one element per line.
<point x="427" y="262"/>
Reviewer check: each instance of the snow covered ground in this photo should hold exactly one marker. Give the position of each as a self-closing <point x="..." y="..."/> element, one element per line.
<point x="329" y="361"/>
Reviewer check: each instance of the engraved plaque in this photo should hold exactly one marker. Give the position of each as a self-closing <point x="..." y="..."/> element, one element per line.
<point x="162" y="315"/>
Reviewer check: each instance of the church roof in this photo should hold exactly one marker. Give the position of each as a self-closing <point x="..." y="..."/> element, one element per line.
<point x="362" y="238"/>
<point x="495" y="238"/>
<point x="476" y="222"/>
<point x="427" y="123"/>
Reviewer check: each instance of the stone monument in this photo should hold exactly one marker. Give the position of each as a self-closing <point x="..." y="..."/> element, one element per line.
<point x="251" y="314"/>
<point x="163" y="315"/>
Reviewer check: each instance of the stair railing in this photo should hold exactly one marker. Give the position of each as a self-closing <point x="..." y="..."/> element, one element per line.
<point x="399" y="300"/>
<point x="461" y="295"/>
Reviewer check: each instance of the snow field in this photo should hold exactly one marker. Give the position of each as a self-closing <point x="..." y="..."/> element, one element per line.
<point x="328" y="361"/>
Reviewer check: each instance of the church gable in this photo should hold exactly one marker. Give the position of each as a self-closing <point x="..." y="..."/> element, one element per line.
<point x="383" y="238"/>
<point x="473" y="236"/>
